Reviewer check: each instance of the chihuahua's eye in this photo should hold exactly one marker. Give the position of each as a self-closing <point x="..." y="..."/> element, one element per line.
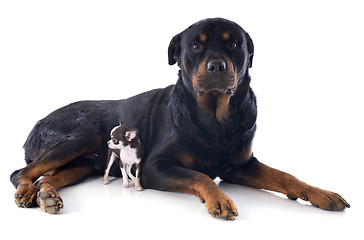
<point x="196" y="47"/>
<point x="232" y="45"/>
<point x="114" y="140"/>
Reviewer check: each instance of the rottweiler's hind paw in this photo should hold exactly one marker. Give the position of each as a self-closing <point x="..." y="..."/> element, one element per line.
<point x="49" y="200"/>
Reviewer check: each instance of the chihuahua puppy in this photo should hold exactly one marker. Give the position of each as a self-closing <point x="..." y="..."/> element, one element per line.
<point x="125" y="146"/>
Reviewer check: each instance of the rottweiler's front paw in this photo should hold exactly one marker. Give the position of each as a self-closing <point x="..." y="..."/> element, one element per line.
<point x="25" y="195"/>
<point x="322" y="199"/>
<point x="222" y="207"/>
<point x="327" y="200"/>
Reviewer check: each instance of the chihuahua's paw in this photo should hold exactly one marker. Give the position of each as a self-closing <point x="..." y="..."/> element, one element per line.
<point x="138" y="188"/>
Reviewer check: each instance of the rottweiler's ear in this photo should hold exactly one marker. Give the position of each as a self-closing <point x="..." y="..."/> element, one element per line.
<point x="250" y="47"/>
<point x="174" y="49"/>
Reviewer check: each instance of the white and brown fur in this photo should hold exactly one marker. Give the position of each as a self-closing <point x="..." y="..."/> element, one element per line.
<point x="125" y="146"/>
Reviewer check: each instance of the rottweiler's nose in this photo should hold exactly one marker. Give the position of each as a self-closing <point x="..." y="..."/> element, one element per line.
<point x="216" y="66"/>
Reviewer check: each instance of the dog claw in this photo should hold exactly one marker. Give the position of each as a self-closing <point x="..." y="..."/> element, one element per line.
<point x="230" y="91"/>
<point x="214" y="213"/>
<point x="292" y="197"/>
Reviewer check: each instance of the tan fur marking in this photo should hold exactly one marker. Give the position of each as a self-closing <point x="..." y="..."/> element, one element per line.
<point x="246" y="154"/>
<point x="202" y="37"/>
<point x="186" y="159"/>
<point x="203" y="103"/>
<point x="222" y="110"/>
<point x="226" y="36"/>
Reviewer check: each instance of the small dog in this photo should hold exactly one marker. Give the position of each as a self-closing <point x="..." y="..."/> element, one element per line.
<point x="126" y="146"/>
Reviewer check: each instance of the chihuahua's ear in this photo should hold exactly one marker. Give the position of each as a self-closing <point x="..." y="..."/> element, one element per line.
<point x="174" y="49"/>
<point x="131" y="134"/>
<point x="120" y="122"/>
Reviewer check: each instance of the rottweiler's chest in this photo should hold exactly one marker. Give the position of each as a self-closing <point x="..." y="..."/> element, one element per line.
<point x="213" y="166"/>
<point x="216" y="155"/>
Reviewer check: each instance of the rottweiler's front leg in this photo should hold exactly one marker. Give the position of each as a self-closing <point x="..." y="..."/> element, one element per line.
<point x="258" y="175"/>
<point x="179" y="179"/>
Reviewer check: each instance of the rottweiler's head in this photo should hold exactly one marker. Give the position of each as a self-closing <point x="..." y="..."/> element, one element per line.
<point x="214" y="55"/>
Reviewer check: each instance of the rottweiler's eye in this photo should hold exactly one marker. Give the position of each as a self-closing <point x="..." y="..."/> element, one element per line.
<point x="232" y="45"/>
<point x="196" y="47"/>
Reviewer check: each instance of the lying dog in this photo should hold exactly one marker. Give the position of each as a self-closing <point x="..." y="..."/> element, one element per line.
<point x="126" y="146"/>
<point x="194" y="131"/>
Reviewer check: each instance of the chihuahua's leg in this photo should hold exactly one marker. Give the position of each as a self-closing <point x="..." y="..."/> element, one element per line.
<point x="124" y="174"/>
<point x="138" y="187"/>
<point x="110" y="160"/>
<point x="128" y="170"/>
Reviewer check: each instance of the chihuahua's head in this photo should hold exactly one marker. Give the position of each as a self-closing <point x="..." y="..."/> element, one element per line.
<point x="121" y="136"/>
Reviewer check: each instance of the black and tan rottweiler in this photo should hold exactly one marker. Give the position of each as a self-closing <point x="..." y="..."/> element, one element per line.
<point x="194" y="131"/>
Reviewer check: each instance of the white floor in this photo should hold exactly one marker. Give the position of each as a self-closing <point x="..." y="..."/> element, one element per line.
<point x="94" y="210"/>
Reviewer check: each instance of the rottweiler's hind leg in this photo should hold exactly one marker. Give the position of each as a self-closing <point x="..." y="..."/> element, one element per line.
<point x="74" y="172"/>
<point x="53" y="158"/>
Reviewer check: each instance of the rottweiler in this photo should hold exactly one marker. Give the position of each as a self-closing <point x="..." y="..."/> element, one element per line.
<point x="194" y="131"/>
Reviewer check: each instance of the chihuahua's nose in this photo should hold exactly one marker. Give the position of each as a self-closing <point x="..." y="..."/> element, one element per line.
<point x="216" y="66"/>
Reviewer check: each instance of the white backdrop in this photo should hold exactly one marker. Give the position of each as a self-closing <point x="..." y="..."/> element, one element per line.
<point x="307" y="74"/>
